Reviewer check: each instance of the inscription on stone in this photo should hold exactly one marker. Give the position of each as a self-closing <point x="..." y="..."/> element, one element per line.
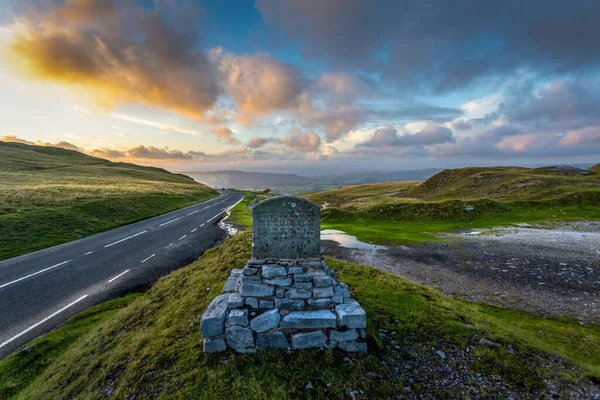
<point x="286" y="227"/>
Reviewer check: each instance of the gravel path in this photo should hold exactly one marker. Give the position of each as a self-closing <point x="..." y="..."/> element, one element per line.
<point x="553" y="272"/>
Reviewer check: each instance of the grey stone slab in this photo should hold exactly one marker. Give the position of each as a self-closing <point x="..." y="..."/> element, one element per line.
<point x="214" y="345"/>
<point x="353" y="347"/>
<point x="322" y="302"/>
<point x="279" y="282"/>
<point x="308" y="340"/>
<point x="250" y="279"/>
<point x="309" y="320"/>
<point x="236" y="272"/>
<point x="255" y="261"/>
<point x="280" y="293"/>
<point x="272" y="340"/>
<point x="343" y="336"/>
<point x="239" y="338"/>
<point x="351" y="315"/>
<point x="250" y="271"/>
<point x="322" y="292"/>
<point x="288" y="304"/>
<point x="337" y="298"/>
<point x="238" y="317"/>
<point x="303" y="278"/>
<point x="256" y="290"/>
<point x="322" y="281"/>
<point x="342" y="291"/>
<point x="313" y="264"/>
<point x="303" y="285"/>
<point x="265" y="304"/>
<point x="363" y="333"/>
<point x="286" y="227"/>
<point x="230" y="284"/>
<point x="252" y="302"/>
<point x="212" y="322"/>
<point x="273" y="271"/>
<point x="235" y="301"/>
<point x="266" y="321"/>
<point x="295" y="270"/>
<point x="298" y="294"/>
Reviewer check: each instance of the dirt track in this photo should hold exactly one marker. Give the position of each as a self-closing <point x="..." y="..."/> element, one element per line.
<point x="548" y="271"/>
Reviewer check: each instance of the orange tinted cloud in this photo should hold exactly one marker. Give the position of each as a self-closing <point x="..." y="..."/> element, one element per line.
<point x="119" y="53"/>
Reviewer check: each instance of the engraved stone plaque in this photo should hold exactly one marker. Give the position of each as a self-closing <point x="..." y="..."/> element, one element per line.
<point x="286" y="227"/>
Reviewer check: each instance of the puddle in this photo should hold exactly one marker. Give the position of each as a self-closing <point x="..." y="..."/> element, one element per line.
<point x="472" y="233"/>
<point x="347" y="241"/>
<point x="230" y="229"/>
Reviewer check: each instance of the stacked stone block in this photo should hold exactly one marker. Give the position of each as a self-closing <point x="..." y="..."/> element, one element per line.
<point x="284" y="304"/>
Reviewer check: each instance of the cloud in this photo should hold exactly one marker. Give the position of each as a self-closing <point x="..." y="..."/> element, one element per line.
<point x="15" y="139"/>
<point x="462" y="125"/>
<point x="120" y="53"/>
<point x="62" y="144"/>
<point x="259" y="83"/>
<point x="255" y="142"/>
<point x="441" y="45"/>
<point x="342" y="87"/>
<point x="147" y="153"/>
<point x="429" y="135"/>
<point x="302" y="141"/>
<point x="586" y="136"/>
<point x="225" y="134"/>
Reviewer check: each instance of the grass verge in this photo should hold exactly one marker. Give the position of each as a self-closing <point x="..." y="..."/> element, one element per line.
<point x="152" y="347"/>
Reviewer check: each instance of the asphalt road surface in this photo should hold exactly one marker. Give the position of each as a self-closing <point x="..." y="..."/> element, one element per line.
<point x="40" y="290"/>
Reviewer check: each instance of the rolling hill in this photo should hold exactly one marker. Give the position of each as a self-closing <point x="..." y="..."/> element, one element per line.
<point x="292" y="183"/>
<point x="50" y="195"/>
<point x="404" y="212"/>
<point x="595" y="168"/>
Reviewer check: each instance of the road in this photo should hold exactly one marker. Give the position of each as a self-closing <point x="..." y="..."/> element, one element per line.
<point x="40" y="290"/>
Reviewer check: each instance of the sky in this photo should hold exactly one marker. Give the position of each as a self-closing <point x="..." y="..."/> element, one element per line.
<point x="304" y="86"/>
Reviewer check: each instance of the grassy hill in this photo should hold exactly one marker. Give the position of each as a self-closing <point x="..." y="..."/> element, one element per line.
<point x="149" y="346"/>
<point x="404" y="212"/>
<point x="50" y="195"/>
<point x="291" y="183"/>
<point x="595" y="168"/>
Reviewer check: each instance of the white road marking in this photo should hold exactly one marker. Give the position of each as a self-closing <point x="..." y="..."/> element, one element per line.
<point x="225" y="210"/>
<point x="182" y="237"/>
<point x="88" y="253"/>
<point x="35" y="273"/>
<point x="169" y="246"/>
<point x="118" y="276"/>
<point x="193" y="230"/>
<point x="148" y="258"/>
<point x="168" y="222"/>
<point x="42" y="321"/>
<point x="201" y="226"/>
<point x="127" y="238"/>
<point x="193" y="212"/>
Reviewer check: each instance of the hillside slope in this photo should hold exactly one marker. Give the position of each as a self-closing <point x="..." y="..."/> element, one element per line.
<point x="50" y="195"/>
<point x="506" y="183"/>
<point x="152" y="348"/>
<point x="595" y="168"/>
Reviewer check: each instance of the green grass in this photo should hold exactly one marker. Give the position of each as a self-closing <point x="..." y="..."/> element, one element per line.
<point x="150" y="348"/>
<point x="408" y="212"/>
<point x="241" y="214"/>
<point x="21" y="369"/>
<point x="50" y="196"/>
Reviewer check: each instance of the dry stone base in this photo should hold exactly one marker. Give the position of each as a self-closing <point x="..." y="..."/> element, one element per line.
<point x="284" y="304"/>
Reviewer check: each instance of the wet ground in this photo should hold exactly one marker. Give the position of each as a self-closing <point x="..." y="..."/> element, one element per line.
<point x="550" y="270"/>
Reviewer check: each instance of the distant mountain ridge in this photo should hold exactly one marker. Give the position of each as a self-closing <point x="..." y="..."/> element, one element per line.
<point x="292" y="183"/>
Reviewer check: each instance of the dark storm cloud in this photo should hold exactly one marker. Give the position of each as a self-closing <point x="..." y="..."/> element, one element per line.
<point x="442" y="45"/>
